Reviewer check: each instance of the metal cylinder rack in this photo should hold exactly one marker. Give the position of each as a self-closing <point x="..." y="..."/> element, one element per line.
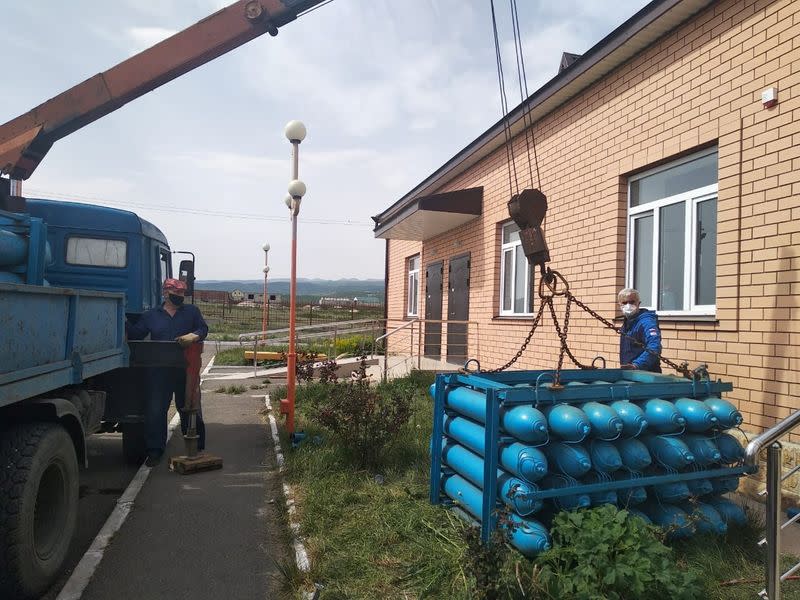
<point x="513" y="442"/>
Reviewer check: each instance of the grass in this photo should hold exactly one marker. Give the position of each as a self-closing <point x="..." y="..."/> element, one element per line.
<point x="379" y="537"/>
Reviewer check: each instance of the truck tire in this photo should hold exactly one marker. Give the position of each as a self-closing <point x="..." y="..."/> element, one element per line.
<point x="133" y="445"/>
<point x="38" y="506"/>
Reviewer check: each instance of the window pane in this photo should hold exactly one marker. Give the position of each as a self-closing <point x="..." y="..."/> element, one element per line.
<point x="682" y="178"/>
<point x="508" y="273"/>
<point x="706" y="259"/>
<point x="672" y="238"/>
<point x="96" y="252"/>
<point x="643" y="258"/>
<point x="415" y="293"/>
<point x="413" y="263"/>
<point x="164" y="267"/>
<point x="510" y="233"/>
<point x="519" y="280"/>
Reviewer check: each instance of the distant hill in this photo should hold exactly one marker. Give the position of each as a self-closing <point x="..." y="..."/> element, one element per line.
<point x="342" y="288"/>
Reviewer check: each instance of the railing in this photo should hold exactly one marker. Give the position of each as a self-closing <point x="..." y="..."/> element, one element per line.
<point x="431" y="344"/>
<point x="406" y="343"/>
<point x="770" y="440"/>
<point x="325" y="332"/>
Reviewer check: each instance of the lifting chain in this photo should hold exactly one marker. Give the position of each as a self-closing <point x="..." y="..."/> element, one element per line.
<point x="552" y="284"/>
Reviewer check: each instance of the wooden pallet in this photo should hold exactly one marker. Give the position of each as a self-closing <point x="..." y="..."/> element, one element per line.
<point x="194" y="464"/>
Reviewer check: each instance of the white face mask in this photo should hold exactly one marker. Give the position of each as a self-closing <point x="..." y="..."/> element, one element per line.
<point x="629" y="309"/>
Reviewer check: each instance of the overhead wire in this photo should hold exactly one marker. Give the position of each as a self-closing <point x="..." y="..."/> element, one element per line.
<point x="189" y="210"/>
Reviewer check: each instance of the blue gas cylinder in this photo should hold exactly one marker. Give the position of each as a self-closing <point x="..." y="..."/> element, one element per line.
<point x="605" y="456"/>
<point x="706" y="518"/>
<point x="603" y="496"/>
<point x="528" y="536"/>
<point x="662" y="416"/>
<point x="571" y="502"/>
<point x="604" y="420"/>
<point x="700" y="487"/>
<point x="670" y="451"/>
<point x="726" y="413"/>
<point x="725" y="485"/>
<point x="639" y="514"/>
<point x="569" y="459"/>
<point x="525" y="423"/>
<point x="704" y="449"/>
<point x="730" y="512"/>
<point x="629" y="496"/>
<point x="567" y="422"/>
<point x="521" y="460"/>
<point x="730" y="449"/>
<point x="671" y="492"/>
<point x="698" y="415"/>
<point x="671" y="518"/>
<point x="517" y="493"/>
<point x="633" y="419"/>
<point x="634" y="454"/>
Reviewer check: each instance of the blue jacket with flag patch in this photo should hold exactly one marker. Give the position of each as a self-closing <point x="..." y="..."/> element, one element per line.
<point x="643" y="328"/>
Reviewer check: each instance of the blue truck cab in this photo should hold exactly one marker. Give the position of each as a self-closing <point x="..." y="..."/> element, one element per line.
<point x="71" y="274"/>
<point x="106" y="249"/>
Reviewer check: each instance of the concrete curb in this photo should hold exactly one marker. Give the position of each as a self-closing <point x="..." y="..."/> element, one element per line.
<point x="300" y="553"/>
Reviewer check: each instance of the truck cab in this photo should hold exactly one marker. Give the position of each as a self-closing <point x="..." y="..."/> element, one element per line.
<point x="106" y="249"/>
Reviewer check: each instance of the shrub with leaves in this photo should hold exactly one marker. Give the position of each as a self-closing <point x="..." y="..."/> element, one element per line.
<point x="606" y="554"/>
<point x="363" y="418"/>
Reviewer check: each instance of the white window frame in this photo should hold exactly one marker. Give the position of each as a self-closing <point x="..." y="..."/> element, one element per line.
<point x="412" y="286"/>
<point x="512" y="248"/>
<point x="691" y="200"/>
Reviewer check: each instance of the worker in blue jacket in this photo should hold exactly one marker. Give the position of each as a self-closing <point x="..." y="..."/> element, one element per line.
<point x="172" y="321"/>
<point x="640" y="344"/>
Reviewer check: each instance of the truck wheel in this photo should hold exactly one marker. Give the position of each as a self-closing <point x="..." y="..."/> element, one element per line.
<point x="133" y="445"/>
<point x="38" y="506"/>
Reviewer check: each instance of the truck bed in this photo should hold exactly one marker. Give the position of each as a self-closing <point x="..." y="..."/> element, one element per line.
<point x="52" y="337"/>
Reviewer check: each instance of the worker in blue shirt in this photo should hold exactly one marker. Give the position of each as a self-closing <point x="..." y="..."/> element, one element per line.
<point x="172" y="321"/>
<point x="640" y="344"/>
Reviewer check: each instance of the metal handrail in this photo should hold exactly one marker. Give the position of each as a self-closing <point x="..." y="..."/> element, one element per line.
<point x="770" y="440"/>
<point x="396" y="329"/>
<point x="332" y="324"/>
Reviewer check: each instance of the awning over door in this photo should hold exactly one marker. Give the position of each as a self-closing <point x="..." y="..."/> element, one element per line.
<point x="429" y="216"/>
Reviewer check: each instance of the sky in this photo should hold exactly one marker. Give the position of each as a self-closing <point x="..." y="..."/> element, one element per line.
<point x="389" y="91"/>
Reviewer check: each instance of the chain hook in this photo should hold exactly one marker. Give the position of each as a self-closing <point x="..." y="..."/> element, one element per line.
<point x="465" y="370"/>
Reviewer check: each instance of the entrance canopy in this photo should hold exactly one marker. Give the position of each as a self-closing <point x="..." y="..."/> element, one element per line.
<point x="426" y="217"/>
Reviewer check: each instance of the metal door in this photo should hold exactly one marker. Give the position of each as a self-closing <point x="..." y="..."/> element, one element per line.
<point x="433" y="309"/>
<point x="457" y="307"/>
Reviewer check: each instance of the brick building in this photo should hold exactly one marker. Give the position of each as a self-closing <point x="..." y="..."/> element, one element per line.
<point x="664" y="170"/>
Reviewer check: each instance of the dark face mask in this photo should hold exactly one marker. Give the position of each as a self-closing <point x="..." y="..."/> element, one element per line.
<point x="176" y="300"/>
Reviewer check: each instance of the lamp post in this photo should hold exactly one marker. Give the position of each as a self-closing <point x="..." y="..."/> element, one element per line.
<point x="295" y="132"/>
<point x="265" y="306"/>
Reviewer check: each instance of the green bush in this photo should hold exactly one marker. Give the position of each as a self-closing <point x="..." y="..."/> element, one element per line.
<point x="606" y="554"/>
<point x="362" y="418"/>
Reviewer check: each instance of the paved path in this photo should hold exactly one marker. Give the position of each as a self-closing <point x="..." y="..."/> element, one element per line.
<point x="209" y="535"/>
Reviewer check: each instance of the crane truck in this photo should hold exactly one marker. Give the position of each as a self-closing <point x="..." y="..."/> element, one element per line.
<point x="70" y="275"/>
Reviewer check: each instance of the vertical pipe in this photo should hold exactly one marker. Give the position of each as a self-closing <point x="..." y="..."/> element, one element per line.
<point x="436" y="441"/>
<point x="488" y="515"/>
<point x="16" y="187"/>
<point x="774" y="521"/>
<point x="292" y="358"/>
<point x="419" y="346"/>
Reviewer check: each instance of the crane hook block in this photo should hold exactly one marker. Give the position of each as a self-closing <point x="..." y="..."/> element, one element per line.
<point x="528" y="209"/>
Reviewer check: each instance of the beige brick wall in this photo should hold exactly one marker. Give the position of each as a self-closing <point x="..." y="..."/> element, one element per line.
<point x="698" y="86"/>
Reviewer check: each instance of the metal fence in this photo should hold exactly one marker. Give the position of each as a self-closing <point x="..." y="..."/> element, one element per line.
<point x="227" y="319"/>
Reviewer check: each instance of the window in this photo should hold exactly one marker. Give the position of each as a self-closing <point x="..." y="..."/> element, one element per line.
<point x="412" y="308"/>
<point x="515" y="275"/>
<point x="166" y="263"/>
<point x="97" y="252"/>
<point x="672" y="236"/>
